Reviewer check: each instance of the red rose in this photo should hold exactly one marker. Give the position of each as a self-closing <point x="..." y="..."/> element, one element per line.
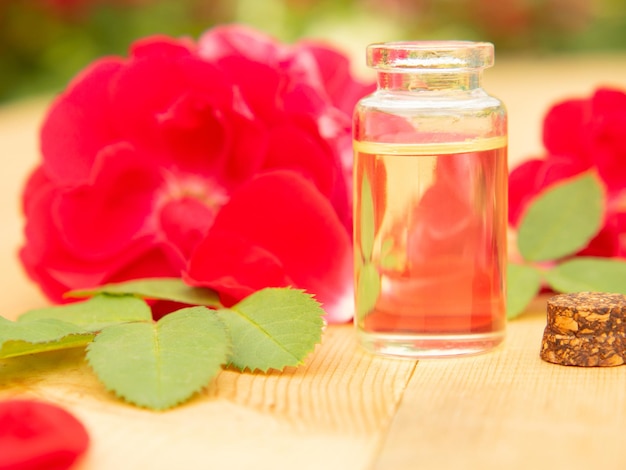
<point x="38" y="435"/>
<point x="226" y="161"/>
<point x="578" y="135"/>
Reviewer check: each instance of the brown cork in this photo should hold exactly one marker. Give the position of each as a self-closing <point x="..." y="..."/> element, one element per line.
<point x="585" y="329"/>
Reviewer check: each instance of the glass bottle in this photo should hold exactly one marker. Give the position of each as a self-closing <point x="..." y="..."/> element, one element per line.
<point x="430" y="202"/>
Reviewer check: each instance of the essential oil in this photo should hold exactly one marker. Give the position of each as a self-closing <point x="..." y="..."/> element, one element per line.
<point x="430" y="202"/>
<point x="431" y="256"/>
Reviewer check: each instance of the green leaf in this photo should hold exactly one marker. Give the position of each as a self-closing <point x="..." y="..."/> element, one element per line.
<point x="19" y="338"/>
<point x="173" y="289"/>
<point x="96" y="313"/>
<point x="523" y="284"/>
<point x="589" y="274"/>
<point x="273" y="328"/>
<point x="388" y="257"/>
<point x="367" y="229"/>
<point x="562" y="220"/>
<point x="159" y="365"/>
<point x="367" y="290"/>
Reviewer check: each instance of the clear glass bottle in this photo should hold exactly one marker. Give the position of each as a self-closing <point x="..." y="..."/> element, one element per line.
<point x="430" y="201"/>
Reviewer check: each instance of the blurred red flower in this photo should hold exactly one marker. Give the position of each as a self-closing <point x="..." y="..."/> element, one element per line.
<point x="38" y="435"/>
<point x="227" y="160"/>
<point x="578" y="135"/>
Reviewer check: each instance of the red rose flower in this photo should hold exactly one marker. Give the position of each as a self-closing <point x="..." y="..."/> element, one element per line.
<point x="225" y="160"/>
<point x="38" y="435"/>
<point x="578" y="135"/>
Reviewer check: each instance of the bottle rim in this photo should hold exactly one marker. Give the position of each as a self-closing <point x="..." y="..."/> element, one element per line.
<point x="435" y="56"/>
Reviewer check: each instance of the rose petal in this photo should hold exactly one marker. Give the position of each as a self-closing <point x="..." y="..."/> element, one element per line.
<point x="251" y="77"/>
<point x="335" y="76"/>
<point x="316" y="64"/>
<point x="608" y="101"/>
<point x="294" y="149"/>
<point x="160" y="260"/>
<point x="620" y="223"/>
<point x="161" y="46"/>
<point x="239" y="40"/>
<point x="36" y="183"/>
<point x="522" y="187"/>
<point x="565" y="130"/>
<point x="77" y="125"/>
<point x="302" y="98"/>
<point x="248" y="148"/>
<point x="284" y="214"/>
<point x="39" y="435"/>
<point x="47" y="260"/>
<point x="42" y="245"/>
<point x="185" y="222"/>
<point x="195" y="135"/>
<point x="100" y="219"/>
<point x="234" y="266"/>
<point x="609" y="150"/>
<point x="140" y="110"/>
<point x="606" y="243"/>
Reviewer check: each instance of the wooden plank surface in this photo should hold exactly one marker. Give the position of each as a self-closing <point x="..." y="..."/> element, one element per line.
<point x="345" y="409"/>
<point x="331" y="413"/>
<point x="509" y="409"/>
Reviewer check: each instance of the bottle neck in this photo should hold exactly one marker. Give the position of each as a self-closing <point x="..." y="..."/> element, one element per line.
<point x="430" y="81"/>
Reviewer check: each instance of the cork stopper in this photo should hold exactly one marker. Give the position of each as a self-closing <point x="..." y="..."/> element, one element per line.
<point x="585" y="329"/>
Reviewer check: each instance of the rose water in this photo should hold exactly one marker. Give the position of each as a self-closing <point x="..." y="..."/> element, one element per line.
<point x="430" y="246"/>
<point x="430" y="202"/>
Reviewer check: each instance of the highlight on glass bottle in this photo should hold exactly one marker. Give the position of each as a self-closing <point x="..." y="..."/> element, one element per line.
<point x="430" y="194"/>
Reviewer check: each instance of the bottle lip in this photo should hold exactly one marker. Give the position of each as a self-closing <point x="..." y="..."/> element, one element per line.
<point x="435" y="56"/>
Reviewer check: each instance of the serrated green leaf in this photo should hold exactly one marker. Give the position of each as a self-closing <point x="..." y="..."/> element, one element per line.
<point x="588" y="274"/>
<point x="47" y="334"/>
<point x="562" y="220"/>
<point x="173" y="289"/>
<point x="367" y="228"/>
<point x="273" y="328"/>
<point x="367" y="290"/>
<point x="159" y="365"/>
<point x="13" y="348"/>
<point x="95" y="313"/>
<point x="523" y="284"/>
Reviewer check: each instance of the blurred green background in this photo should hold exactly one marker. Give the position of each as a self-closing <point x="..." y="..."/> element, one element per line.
<point x="43" y="43"/>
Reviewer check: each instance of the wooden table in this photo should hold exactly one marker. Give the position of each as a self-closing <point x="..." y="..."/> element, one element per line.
<point x="346" y="409"/>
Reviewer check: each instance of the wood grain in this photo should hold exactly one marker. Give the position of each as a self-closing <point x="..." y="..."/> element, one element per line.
<point x="330" y="413"/>
<point x="509" y="409"/>
<point x="341" y="389"/>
